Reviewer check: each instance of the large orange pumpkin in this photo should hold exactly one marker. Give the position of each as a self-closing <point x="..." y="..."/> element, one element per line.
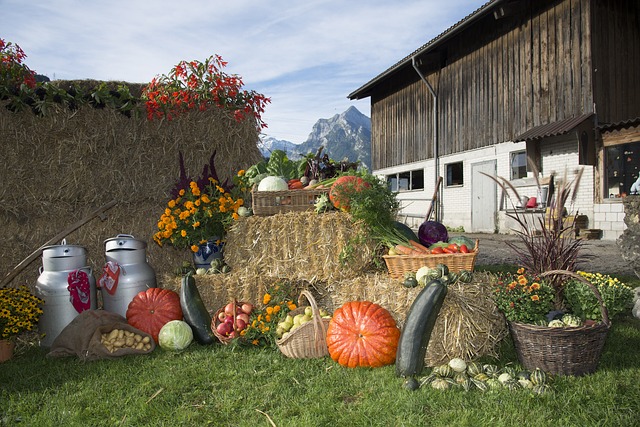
<point x="362" y="333"/>
<point x="150" y="310"/>
<point x="342" y="189"/>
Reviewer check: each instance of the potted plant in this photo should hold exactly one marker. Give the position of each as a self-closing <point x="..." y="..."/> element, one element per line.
<point x="548" y="329"/>
<point x="198" y="214"/>
<point x="19" y="313"/>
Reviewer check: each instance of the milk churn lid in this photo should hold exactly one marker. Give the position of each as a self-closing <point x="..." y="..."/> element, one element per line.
<point x="63" y="250"/>
<point x="124" y="242"/>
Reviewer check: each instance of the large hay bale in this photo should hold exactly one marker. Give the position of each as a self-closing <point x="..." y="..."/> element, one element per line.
<point x="57" y="169"/>
<point x="468" y="326"/>
<point x="300" y="246"/>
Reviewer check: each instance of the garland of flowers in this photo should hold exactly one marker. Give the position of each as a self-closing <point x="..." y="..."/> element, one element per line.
<point x="195" y="85"/>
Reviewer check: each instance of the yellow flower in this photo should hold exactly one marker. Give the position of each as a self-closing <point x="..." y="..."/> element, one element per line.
<point x="241" y="172"/>
<point x="269" y="310"/>
<point x="183" y="233"/>
<point x="535" y="298"/>
<point x="194" y="248"/>
<point x="266" y="299"/>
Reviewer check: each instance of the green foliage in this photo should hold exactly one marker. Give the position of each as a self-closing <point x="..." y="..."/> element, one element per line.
<point x="617" y="297"/>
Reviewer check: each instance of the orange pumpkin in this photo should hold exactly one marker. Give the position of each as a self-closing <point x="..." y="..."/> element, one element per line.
<point x="342" y="189"/>
<point x="362" y="333"/>
<point x="150" y="310"/>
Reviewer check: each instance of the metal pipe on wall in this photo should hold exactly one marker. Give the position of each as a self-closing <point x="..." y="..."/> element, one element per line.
<point x="436" y="159"/>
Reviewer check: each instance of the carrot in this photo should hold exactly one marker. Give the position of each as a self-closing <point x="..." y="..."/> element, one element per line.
<point x="406" y="250"/>
<point x="417" y="246"/>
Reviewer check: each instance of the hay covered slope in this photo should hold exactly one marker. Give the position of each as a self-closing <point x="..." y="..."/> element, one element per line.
<point x="57" y="169"/>
<point x="299" y="245"/>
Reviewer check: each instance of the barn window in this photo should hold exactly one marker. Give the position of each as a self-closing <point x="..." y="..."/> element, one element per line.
<point x="406" y="181"/>
<point x="519" y="164"/>
<point x="622" y="168"/>
<point x="454" y="174"/>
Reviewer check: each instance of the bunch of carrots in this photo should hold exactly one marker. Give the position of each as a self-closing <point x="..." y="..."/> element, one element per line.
<point x="415" y="248"/>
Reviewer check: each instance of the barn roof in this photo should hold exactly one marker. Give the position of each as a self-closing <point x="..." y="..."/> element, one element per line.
<point x="365" y="90"/>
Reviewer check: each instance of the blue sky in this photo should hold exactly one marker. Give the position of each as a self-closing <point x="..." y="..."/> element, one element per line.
<point x="306" y="56"/>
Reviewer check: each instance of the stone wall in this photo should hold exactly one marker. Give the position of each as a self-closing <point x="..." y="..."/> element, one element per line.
<point x="629" y="241"/>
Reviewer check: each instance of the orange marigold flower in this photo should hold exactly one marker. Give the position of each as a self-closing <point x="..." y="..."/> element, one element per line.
<point x="535" y="298"/>
<point x="194" y="248"/>
<point x="266" y="299"/>
<point x="269" y="310"/>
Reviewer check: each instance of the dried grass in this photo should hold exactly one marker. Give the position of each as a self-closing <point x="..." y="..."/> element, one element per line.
<point x="57" y="169"/>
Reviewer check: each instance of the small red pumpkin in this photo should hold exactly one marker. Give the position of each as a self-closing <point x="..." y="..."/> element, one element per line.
<point x="362" y="333"/>
<point x="150" y="310"/>
<point x="342" y="189"/>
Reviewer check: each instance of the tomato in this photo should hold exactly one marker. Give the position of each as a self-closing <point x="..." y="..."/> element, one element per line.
<point x="453" y="247"/>
<point x="464" y="249"/>
<point x="437" y="250"/>
<point x="449" y="251"/>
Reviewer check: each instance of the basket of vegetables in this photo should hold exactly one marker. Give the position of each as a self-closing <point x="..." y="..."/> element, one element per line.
<point x="304" y="330"/>
<point x="564" y="350"/>
<point x="230" y="320"/>
<point x="410" y="258"/>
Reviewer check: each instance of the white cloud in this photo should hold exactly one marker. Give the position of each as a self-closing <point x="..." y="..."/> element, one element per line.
<point x="306" y="56"/>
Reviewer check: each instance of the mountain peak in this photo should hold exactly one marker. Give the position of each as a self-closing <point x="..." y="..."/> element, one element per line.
<point x="345" y="135"/>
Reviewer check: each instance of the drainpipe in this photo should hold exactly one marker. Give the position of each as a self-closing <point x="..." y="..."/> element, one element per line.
<point x="435" y="130"/>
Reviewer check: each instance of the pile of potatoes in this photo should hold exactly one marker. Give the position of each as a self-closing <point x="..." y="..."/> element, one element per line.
<point x="119" y="339"/>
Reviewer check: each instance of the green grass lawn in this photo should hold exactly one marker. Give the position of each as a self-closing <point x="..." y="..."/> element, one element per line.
<point x="237" y="386"/>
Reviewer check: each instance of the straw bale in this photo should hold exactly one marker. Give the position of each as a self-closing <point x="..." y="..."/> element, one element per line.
<point x="299" y="245"/>
<point x="57" y="169"/>
<point x="468" y="326"/>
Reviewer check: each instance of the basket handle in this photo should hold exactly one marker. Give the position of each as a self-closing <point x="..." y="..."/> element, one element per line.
<point x="318" y="324"/>
<point x="594" y="289"/>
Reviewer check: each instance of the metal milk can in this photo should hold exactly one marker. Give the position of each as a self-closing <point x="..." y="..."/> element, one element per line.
<point x="67" y="287"/>
<point x="125" y="274"/>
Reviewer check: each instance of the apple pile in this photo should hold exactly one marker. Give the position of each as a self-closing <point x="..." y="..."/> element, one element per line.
<point x="290" y="324"/>
<point x="226" y="318"/>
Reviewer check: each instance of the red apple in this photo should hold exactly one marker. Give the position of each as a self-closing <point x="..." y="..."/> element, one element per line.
<point x="224" y="329"/>
<point x="240" y="324"/>
<point x="228" y="309"/>
<point x="244" y="317"/>
<point x="247" y="308"/>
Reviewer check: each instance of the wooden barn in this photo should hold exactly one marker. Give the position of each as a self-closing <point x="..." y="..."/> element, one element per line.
<point x="555" y="82"/>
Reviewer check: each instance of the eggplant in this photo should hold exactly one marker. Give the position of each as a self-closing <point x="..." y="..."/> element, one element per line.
<point x="194" y="311"/>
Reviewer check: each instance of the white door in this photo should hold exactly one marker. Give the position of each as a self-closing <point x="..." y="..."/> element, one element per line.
<point x="484" y="214"/>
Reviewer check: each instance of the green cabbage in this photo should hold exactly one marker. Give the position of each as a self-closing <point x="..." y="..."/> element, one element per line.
<point x="175" y="335"/>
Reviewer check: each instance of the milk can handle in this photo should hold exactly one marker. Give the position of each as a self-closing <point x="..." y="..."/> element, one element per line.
<point x="125" y="235"/>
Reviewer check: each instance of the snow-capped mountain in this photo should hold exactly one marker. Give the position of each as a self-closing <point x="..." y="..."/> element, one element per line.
<point x="345" y="135"/>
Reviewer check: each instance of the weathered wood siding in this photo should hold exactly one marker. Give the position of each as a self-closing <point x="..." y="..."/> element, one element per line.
<point x="616" y="59"/>
<point x="501" y="78"/>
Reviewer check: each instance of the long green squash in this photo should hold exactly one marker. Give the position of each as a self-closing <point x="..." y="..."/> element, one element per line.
<point x="194" y="311"/>
<point x="417" y="329"/>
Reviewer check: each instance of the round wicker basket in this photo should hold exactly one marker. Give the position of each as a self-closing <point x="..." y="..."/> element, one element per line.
<point x="309" y="340"/>
<point x="562" y="351"/>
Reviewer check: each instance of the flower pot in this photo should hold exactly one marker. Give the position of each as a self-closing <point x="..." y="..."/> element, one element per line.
<point x="6" y="350"/>
<point x="207" y="252"/>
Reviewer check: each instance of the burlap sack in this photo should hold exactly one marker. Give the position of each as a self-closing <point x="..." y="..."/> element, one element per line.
<point x="82" y="336"/>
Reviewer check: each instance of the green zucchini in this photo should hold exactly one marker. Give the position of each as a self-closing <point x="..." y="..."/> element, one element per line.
<point x="194" y="311"/>
<point x="417" y="329"/>
<point x="404" y="230"/>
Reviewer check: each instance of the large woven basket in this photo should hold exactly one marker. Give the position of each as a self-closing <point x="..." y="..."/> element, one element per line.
<point x="266" y="203"/>
<point x="398" y="265"/>
<point x="562" y="351"/>
<point x="308" y="341"/>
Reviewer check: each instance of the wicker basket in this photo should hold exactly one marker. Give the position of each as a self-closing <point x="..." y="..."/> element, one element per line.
<point x="562" y="351"/>
<point x="398" y="265"/>
<point x="308" y="341"/>
<point x="215" y="321"/>
<point x="273" y="202"/>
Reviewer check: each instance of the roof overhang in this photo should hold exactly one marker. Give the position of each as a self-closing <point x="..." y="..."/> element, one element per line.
<point x="488" y="8"/>
<point x="560" y="127"/>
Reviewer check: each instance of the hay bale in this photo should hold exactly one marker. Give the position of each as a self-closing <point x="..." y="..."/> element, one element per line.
<point x="469" y="325"/>
<point x="57" y="169"/>
<point x="299" y="246"/>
